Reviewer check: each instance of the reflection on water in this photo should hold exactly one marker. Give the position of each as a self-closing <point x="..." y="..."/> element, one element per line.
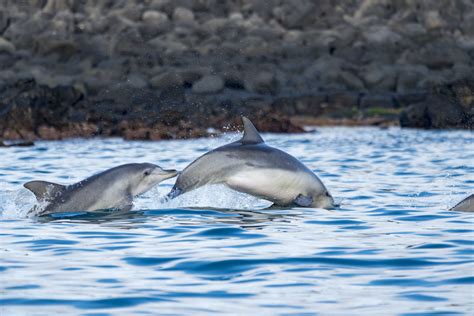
<point x="247" y="219"/>
<point x="393" y="246"/>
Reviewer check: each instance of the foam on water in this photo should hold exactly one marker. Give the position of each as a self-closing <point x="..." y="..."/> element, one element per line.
<point x="392" y="248"/>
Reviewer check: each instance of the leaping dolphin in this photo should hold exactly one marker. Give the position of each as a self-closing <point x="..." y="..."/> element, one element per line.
<point x="111" y="189"/>
<point x="466" y="205"/>
<point x="250" y="166"/>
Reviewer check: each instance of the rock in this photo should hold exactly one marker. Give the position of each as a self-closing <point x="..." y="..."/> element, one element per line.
<point x="434" y="113"/>
<point x="137" y="81"/>
<point x="293" y="14"/>
<point x="276" y="123"/>
<point x="408" y="78"/>
<point x="151" y="60"/>
<point x="437" y="55"/>
<point x="345" y="100"/>
<point x="183" y="17"/>
<point x="262" y="82"/>
<point x="129" y="43"/>
<point x="313" y="105"/>
<point x="467" y="25"/>
<point x="377" y="101"/>
<point x="326" y="71"/>
<point x="215" y="25"/>
<point x="53" y="6"/>
<point x="166" y="80"/>
<point x="380" y="77"/>
<point x="352" y="82"/>
<point x="6" y="46"/>
<point x="404" y="100"/>
<point x="155" y="22"/>
<point x="168" y="46"/>
<point x="448" y="106"/>
<point x="208" y="84"/>
<point x="381" y="34"/>
<point x="433" y="20"/>
<point x="32" y="105"/>
<point x="192" y="74"/>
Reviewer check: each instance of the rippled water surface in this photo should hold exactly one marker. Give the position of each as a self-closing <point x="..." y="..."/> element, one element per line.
<point x="392" y="248"/>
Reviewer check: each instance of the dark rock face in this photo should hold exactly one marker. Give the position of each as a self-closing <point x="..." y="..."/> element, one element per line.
<point x="449" y="106"/>
<point x="32" y="111"/>
<point x="194" y="64"/>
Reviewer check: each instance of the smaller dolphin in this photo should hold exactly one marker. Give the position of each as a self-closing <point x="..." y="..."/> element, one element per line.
<point x="111" y="189"/>
<point x="250" y="166"/>
<point x="466" y="205"/>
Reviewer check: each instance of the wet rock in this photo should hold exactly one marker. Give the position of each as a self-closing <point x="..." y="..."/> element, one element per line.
<point x="6" y="46"/>
<point x="409" y="77"/>
<point x="381" y="34"/>
<point x="293" y="14"/>
<point x="129" y="43"/>
<point x="137" y="81"/>
<point x="437" y="55"/>
<point x="377" y="101"/>
<point x="53" y="6"/>
<point x="433" y="20"/>
<point x="262" y="82"/>
<point x="208" y="84"/>
<point x="152" y="59"/>
<point x="183" y="17"/>
<point x="277" y="124"/>
<point x="380" y="77"/>
<point x="326" y="71"/>
<point x="450" y="106"/>
<point x="167" y="80"/>
<point x="351" y="81"/>
<point x="155" y="22"/>
<point x="31" y="105"/>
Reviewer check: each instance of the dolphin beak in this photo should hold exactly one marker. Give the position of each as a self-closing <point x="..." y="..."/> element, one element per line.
<point x="166" y="173"/>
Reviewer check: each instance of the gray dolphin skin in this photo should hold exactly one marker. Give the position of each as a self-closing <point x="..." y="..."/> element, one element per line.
<point x="111" y="189"/>
<point x="250" y="166"/>
<point x="466" y="205"/>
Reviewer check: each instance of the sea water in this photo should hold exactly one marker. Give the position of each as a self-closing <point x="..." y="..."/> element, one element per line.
<point x="393" y="247"/>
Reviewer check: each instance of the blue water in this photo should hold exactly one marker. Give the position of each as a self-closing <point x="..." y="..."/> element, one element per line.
<point x="392" y="248"/>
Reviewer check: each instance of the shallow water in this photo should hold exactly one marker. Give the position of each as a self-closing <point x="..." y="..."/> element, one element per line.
<point x="392" y="248"/>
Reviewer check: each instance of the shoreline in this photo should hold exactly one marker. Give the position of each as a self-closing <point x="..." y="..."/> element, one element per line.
<point x="33" y="111"/>
<point x="171" y="69"/>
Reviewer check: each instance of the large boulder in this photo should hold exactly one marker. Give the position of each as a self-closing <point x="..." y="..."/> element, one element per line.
<point x="208" y="84"/>
<point x="450" y="106"/>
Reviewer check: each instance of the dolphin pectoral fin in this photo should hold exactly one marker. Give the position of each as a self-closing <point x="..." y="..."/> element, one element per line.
<point x="303" y="201"/>
<point x="44" y="190"/>
<point x="251" y="135"/>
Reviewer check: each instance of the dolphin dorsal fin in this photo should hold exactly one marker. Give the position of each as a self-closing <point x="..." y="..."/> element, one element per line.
<point x="251" y="135"/>
<point x="44" y="190"/>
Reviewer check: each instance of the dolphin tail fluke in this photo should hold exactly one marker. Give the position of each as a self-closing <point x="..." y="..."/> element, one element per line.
<point x="44" y="190"/>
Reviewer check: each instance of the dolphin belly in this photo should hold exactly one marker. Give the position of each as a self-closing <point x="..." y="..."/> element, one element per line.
<point x="276" y="185"/>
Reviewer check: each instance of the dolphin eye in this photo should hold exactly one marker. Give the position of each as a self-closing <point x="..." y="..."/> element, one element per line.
<point x="327" y="194"/>
<point x="147" y="173"/>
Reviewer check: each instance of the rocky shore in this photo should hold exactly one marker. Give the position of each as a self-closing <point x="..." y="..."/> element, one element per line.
<point x="159" y="69"/>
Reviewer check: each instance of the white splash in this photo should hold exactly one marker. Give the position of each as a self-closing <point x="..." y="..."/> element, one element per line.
<point x="16" y="203"/>
<point x="214" y="196"/>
